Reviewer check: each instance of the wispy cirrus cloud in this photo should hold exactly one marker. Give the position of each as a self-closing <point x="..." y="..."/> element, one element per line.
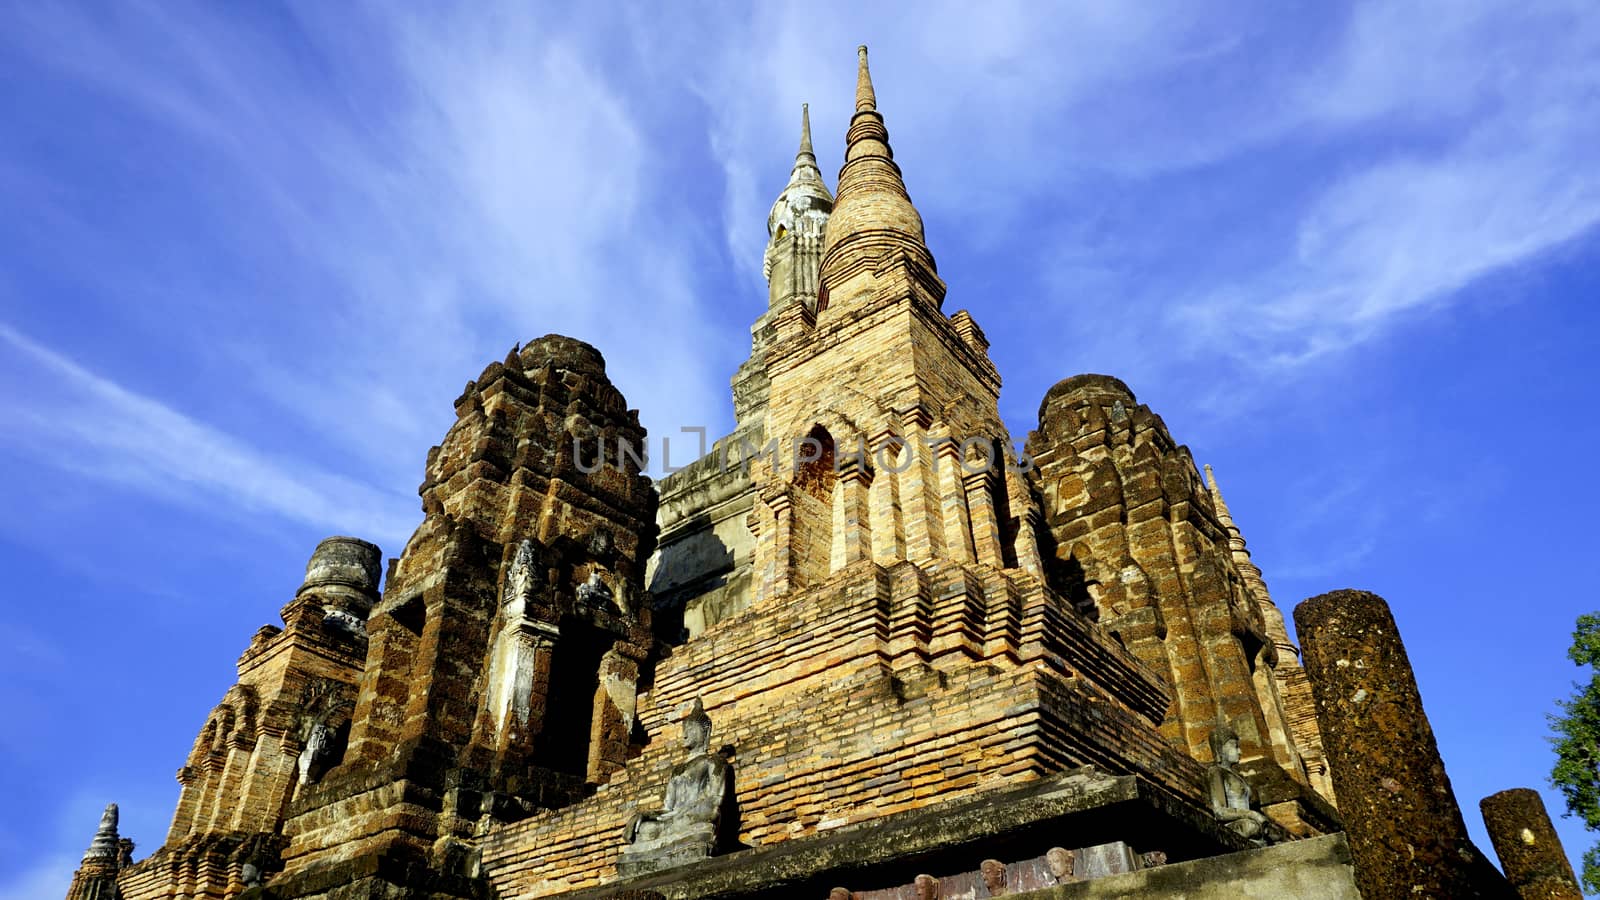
<point x="265" y="249"/>
<point x="1489" y="115"/>
<point x="66" y="415"/>
<point x="1231" y="188"/>
<point x="416" y="192"/>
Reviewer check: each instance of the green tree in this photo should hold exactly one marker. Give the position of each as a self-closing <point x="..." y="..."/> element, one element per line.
<point x="1577" y="740"/>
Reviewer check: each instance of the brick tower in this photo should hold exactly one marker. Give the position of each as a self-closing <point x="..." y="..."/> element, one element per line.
<point x="860" y="601"/>
<point x="504" y="656"/>
<point x="281" y="726"/>
<point x="929" y="664"/>
<point x="1294" y="688"/>
<point x="883" y="383"/>
<point x="1137" y="541"/>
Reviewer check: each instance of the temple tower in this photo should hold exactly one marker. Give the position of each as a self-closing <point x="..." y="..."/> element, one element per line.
<point x="884" y="410"/>
<point x="278" y="729"/>
<point x="1136" y="541"/>
<point x="891" y="642"/>
<point x="795" y="228"/>
<point x="793" y="257"/>
<point x="917" y="648"/>
<point x="287" y="718"/>
<point x="505" y="654"/>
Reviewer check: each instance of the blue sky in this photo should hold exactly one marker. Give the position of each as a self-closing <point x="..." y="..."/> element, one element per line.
<point x="252" y="252"/>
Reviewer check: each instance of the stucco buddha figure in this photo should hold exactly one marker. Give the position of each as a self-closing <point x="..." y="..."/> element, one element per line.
<point x="687" y="827"/>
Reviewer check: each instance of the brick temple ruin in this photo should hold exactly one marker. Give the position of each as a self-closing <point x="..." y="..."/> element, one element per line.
<point x="901" y="661"/>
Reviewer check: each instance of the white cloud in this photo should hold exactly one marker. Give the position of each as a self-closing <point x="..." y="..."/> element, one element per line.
<point x="460" y="183"/>
<point x="421" y="195"/>
<point x="1408" y="229"/>
<point x="67" y="416"/>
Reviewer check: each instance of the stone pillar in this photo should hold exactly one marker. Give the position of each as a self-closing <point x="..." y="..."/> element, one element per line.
<point x="1030" y="522"/>
<point x="1407" y="838"/>
<point x="888" y="533"/>
<point x="855" y="487"/>
<point x="919" y="490"/>
<point x="947" y="469"/>
<point x="782" y="506"/>
<point x="979" y="487"/>
<point x="616" y="703"/>
<point x="1529" y="850"/>
<point x="519" y="683"/>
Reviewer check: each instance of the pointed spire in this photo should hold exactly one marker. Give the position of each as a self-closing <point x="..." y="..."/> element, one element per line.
<point x="866" y="98"/>
<point x="806" y="193"/>
<point x="1241" y="553"/>
<point x="1225" y="517"/>
<point x="795" y="226"/>
<point x="873" y="216"/>
<point x="805" y="136"/>
<point x="105" y="844"/>
<point x="805" y="162"/>
<point x="1235" y="537"/>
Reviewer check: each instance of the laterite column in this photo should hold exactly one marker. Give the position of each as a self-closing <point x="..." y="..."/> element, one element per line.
<point x="1407" y="838"/>
<point x="1529" y="850"/>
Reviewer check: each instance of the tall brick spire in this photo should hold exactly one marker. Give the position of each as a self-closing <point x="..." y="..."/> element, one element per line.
<point x="873" y="216"/>
<point x="866" y="98"/>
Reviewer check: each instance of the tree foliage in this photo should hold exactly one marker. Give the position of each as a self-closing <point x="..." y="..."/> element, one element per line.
<point x="1577" y="743"/>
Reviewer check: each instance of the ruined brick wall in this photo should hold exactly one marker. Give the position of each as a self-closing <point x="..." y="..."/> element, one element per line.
<point x="1137" y="541"/>
<point x="506" y="651"/>
<point x="883" y="690"/>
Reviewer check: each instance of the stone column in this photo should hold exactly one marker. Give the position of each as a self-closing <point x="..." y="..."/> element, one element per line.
<point x="1407" y="838"/>
<point x="888" y="535"/>
<point x="855" y="487"/>
<point x="919" y="490"/>
<point x="979" y="487"/>
<point x="782" y="506"/>
<point x="519" y="682"/>
<point x="1529" y="850"/>
<point x="1030" y="521"/>
<point x="615" y="705"/>
<point x="947" y="461"/>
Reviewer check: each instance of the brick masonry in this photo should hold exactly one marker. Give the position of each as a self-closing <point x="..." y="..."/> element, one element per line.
<point x="910" y="615"/>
